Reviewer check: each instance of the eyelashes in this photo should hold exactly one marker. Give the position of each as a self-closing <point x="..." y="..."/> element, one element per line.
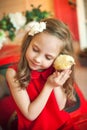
<point x="35" y="49"/>
<point x="48" y="57"/>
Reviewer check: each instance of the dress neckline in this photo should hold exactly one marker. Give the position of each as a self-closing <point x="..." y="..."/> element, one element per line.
<point x="34" y="74"/>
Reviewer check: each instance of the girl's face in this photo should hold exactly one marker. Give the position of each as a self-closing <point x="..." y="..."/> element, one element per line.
<point x="42" y="51"/>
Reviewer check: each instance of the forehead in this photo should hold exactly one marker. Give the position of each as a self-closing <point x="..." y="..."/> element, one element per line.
<point x="46" y="40"/>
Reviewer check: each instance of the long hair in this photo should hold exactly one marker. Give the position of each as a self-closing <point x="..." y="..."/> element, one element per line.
<point x="62" y="32"/>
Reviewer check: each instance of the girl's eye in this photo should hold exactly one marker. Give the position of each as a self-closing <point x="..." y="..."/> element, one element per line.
<point x="49" y="58"/>
<point x="35" y="49"/>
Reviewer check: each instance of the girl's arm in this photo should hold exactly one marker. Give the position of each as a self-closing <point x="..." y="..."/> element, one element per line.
<point x="60" y="97"/>
<point x="60" y="79"/>
<point x="30" y="110"/>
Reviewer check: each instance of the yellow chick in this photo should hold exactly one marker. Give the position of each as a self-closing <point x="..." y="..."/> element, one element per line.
<point x="63" y="62"/>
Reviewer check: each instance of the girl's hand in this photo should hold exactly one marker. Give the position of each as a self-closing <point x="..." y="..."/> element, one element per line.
<point x="58" y="78"/>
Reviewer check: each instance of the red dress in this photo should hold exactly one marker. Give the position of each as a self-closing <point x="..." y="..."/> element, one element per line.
<point x="51" y="118"/>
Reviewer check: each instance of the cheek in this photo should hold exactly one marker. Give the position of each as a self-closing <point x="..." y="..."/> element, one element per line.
<point x="48" y="63"/>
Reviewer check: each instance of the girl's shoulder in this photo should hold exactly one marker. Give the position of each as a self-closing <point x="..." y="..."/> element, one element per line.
<point x="11" y="72"/>
<point x="14" y="67"/>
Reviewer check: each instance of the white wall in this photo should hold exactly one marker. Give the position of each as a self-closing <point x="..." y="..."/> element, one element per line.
<point x="82" y="23"/>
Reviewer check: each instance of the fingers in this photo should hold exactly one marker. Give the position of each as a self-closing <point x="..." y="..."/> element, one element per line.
<point x="56" y="74"/>
<point x="61" y="77"/>
<point x="58" y="78"/>
<point x="65" y="74"/>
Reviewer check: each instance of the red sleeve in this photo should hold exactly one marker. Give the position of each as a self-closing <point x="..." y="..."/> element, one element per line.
<point x="14" y="66"/>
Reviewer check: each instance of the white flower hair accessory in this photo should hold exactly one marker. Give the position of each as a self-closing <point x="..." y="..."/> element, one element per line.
<point x="35" y="27"/>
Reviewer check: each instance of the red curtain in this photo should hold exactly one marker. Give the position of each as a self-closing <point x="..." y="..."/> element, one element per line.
<point x="67" y="13"/>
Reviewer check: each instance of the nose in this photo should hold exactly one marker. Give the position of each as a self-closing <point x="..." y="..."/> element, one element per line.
<point x="38" y="59"/>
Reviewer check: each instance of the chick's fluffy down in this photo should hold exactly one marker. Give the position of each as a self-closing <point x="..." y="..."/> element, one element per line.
<point x="63" y="62"/>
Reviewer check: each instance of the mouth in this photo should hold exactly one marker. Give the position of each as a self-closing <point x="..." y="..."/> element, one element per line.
<point x="34" y="64"/>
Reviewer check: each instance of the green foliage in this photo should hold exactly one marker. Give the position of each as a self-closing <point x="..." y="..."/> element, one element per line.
<point x="36" y="14"/>
<point x="6" y="25"/>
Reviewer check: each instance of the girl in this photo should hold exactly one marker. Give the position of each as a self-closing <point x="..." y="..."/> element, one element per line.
<point x="40" y="93"/>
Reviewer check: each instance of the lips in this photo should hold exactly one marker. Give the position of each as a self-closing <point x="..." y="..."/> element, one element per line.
<point x="33" y="64"/>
